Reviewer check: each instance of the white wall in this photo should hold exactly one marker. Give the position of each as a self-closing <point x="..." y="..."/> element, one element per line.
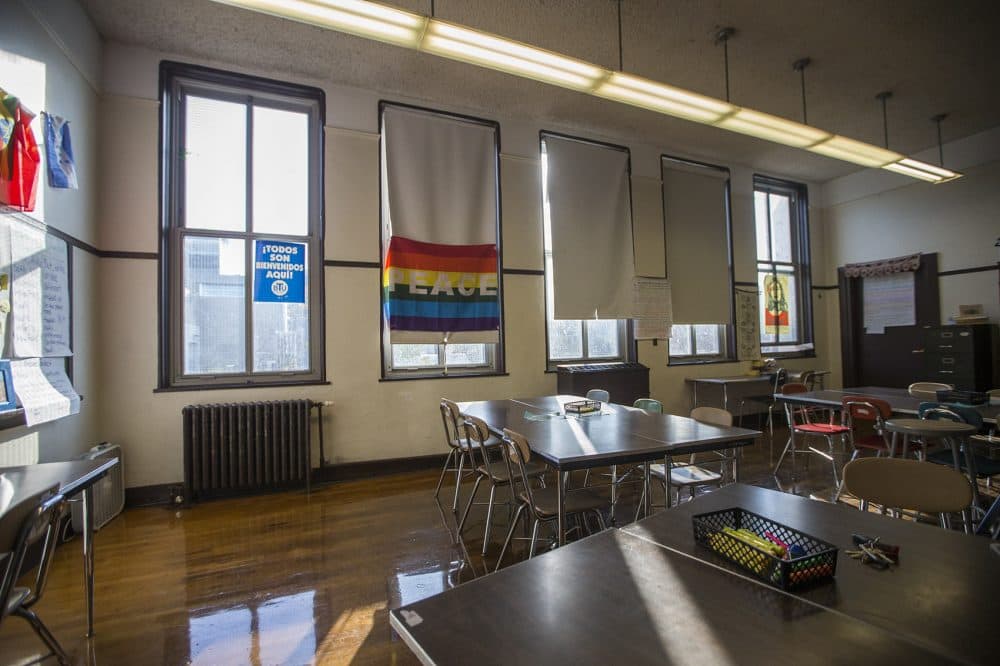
<point x="371" y="419"/>
<point x="59" y="34"/>
<point x="875" y="215"/>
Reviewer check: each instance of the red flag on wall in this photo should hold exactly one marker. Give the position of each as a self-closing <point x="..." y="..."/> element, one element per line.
<point x="19" y="160"/>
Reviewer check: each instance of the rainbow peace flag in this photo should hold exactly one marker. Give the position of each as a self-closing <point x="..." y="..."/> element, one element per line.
<point x="441" y="288"/>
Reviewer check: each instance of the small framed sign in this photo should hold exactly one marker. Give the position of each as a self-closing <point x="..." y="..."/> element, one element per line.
<point x="8" y="400"/>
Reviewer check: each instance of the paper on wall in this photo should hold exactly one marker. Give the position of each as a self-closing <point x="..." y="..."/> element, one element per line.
<point x="39" y="293"/>
<point x="889" y="300"/>
<point x="651" y="329"/>
<point x="43" y="389"/>
<point x="651" y="299"/>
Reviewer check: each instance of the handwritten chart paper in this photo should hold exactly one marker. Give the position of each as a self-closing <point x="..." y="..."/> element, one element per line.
<point x="889" y="300"/>
<point x="652" y="308"/>
<point x="747" y="325"/>
<point x="43" y="389"/>
<point x="39" y="294"/>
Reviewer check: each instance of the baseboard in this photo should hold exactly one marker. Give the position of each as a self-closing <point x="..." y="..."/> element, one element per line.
<point x="163" y="493"/>
<point x="154" y="495"/>
<point x="372" y="468"/>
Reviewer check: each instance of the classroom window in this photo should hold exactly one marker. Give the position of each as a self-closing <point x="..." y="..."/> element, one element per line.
<point x="242" y="230"/>
<point x="783" y="275"/>
<point x="574" y="340"/>
<point x="439" y="186"/>
<point x="698" y="342"/>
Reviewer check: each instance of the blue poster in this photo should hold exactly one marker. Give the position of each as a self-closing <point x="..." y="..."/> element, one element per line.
<point x="279" y="272"/>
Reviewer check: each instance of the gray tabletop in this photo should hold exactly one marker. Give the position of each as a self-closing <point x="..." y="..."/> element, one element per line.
<point x="935" y="598"/>
<point x="615" y="598"/>
<point x="929" y="426"/>
<point x="900" y="400"/>
<point x="733" y="379"/>
<point x="617" y="435"/>
<point x="70" y="476"/>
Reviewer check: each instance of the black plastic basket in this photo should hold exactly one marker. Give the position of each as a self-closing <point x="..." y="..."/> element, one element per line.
<point x="817" y="563"/>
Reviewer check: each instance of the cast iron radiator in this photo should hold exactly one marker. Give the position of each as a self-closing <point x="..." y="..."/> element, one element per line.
<point x="246" y="447"/>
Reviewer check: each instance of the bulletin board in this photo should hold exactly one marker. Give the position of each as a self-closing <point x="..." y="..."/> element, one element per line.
<point x="36" y="318"/>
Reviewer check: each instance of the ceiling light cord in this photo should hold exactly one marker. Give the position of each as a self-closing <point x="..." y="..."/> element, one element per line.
<point x="800" y="66"/>
<point x="884" y="97"/>
<point x="621" y="61"/>
<point x="937" y="120"/>
<point x="723" y="36"/>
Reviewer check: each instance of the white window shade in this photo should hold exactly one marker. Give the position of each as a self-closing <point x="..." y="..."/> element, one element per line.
<point x="439" y="190"/>
<point x="592" y="253"/>
<point x="696" y="239"/>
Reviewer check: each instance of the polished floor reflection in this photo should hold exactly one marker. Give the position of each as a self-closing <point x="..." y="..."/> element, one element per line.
<point x="284" y="578"/>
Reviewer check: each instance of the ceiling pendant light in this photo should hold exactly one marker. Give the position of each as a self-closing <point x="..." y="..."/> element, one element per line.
<point x="922" y="170"/>
<point x="431" y="35"/>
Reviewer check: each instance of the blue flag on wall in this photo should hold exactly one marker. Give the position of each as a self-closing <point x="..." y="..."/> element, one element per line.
<point x="59" y="153"/>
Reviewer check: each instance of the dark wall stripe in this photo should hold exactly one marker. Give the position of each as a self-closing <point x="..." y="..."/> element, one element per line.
<point x="523" y="271"/>
<point x="351" y="264"/>
<point x="963" y="271"/>
<point x="825" y="287"/>
<point x="117" y="254"/>
<point x="745" y="284"/>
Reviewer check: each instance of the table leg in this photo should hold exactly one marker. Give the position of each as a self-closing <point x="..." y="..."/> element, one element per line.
<point x="645" y="488"/>
<point x="725" y="397"/>
<point x="666" y="482"/>
<point x="561" y="513"/>
<point x="88" y="555"/>
<point x="737" y="454"/>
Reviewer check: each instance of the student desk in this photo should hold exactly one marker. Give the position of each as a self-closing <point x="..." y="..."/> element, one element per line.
<point x="74" y="477"/>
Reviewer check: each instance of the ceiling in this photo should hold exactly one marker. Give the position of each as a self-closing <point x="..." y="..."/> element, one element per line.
<point x="933" y="55"/>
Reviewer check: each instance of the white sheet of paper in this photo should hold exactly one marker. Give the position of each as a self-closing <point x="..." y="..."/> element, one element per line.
<point x="651" y="329"/>
<point x="43" y="389"/>
<point x="39" y="294"/>
<point x="651" y="299"/>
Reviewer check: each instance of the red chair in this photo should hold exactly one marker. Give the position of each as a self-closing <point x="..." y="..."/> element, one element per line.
<point x="861" y="410"/>
<point x="802" y="422"/>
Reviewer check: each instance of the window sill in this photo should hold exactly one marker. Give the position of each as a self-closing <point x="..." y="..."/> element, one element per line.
<point x="811" y="353"/>
<point x="701" y="361"/>
<point x="220" y="387"/>
<point x="409" y="378"/>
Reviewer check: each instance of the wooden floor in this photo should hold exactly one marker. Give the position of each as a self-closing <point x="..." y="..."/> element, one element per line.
<point x="283" y="578"/>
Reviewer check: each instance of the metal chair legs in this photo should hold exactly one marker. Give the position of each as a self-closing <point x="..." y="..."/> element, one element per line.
<point x="444" y="470"/>
<point x="534" y="539"/>
<point x="458" y="479"/>
<point x="472" y="498"/>
<point x="43" y="633"/>
<point x="510" y="535"/>
<point x="489" y="518"/>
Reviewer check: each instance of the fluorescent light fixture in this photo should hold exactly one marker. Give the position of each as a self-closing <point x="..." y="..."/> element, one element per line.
<point x="395" y="26"/>
<point x="922" y="170"/>
<point x="849" y="150"/>
<point x="773" y="128"/>
<point x="663" y="98"/>
<point x="357" y="17"/>
<point x="506" y="55"/>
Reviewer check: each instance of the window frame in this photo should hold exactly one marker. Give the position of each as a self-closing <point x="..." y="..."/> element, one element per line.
<point x="801" y="264"/>
<point x="626" y="339"/>
<point x="176" y="81"/>
<point x="723" y="334"/>
<point x="495" y="351"/>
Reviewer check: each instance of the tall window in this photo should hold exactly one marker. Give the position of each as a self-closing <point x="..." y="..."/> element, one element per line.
<point x="698" y="342"/>
<point x="241" y="264"/>
<point x="783" y="275"/>
<point x="439" y="184"/>
<point x="574" y="340"/>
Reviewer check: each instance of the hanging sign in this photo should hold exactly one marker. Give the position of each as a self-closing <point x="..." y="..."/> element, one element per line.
<point x="279" y="274"/>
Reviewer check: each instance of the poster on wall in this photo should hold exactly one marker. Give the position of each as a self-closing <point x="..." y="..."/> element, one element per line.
<point x="776" y="315"/>
<point x="747" y="325"/>
<point x="279" y="274"/>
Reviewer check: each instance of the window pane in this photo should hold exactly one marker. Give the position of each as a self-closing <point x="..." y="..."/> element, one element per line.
<point x="781" y="228"/>
<point x="680" y="340"/>
<point x="565" y="339"/>
<point x="465" y="354"/>
<point x="414" y="356"/>
<point x="280" y="171"/>
<point x="706" y="339"/>
<point x="760" y="221"/>
<point x="214" y="305"/>
<point x="214" y="159"/>
<point x="602" y="338"/>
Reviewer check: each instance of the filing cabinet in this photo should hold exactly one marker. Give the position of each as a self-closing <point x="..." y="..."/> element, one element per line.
<point x="964" y="356"/>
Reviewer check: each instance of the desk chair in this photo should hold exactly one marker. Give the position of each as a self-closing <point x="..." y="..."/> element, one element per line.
<point x="908" y="484"/>
<point x="927" y="389"/>
<point x="36" y="519"/>
<point x="859" y="410"/>
<point x="689" y="475"/>
<point x="649" y="405"/>
<point x="459" y="452"/>
<point x="801" y="422"/>
<point x="497" y="473"/>
<point x="541" y="503"/>
<point x="780" y="378"/>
